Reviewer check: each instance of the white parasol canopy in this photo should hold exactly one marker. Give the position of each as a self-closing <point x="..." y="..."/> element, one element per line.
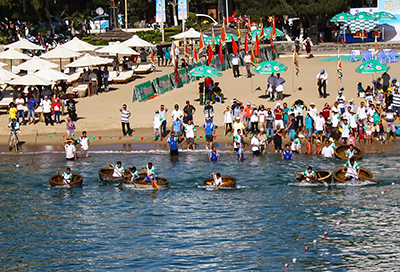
<point x="30" y="80"/>
<point x="35" y="64"/>
<point x="50" y="74"/>
<point x="79" y="46"/>
<point x="117" y="48"/>
<point x="24" y="44"/>
<point x="13" y="54"/>
<point x="136" y="41"/>
<point x="60" y="52"/>
<point x="88" y="60"/>
<point x="6" y="76"/>
<point x="2" y="64"/>
<point x="189" y="34"/>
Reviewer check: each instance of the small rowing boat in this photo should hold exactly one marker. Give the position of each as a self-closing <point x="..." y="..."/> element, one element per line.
<point x="106" y="175"/>
<point x="57" y="180"/>
<point x="227" y="182"/>
<point x="321" y="177"/>
<point x="365" y="175"/>
<point x="140" y="183"/>
<point x="340" y="152"/>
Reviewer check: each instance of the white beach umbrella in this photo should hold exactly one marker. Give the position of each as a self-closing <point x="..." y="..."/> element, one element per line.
<point x="24" y="44"/>
<point x="51" y="74"/>
<point x="118" y="49"/>
<point x="30" y="80"/>
<point x="136" y="41"/>
<point x="189" y="34"/>
<point x="2" y="64"/>
<point x="79" y="46"/>
<point x="60" y="52"/>
<point x="35" y="64"/>
<point x="6" y="76"/>
<point x="13" y="54"/>
<point x="88" y="60"/>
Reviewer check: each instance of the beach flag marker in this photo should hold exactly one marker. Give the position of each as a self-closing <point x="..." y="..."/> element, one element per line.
<point x="198" y="137"/>
<point x="51" y="136"/>
<point x="73" y="137"/>
<point x="141" y="138"/>
<point x="158" y="138"/>
<point x="119" y="138"/>
<point x="94" y="137"/>
<point x="135" y="138"/>
<point x="180" y="138"/>
<point x="100" y="137"/>
<point x="294" y="133"/>
<point x="63" y="136"/>
<point x="362" y="203"/>
<point x="110" y="137"/>
<point x="162" y="138"/>
<point x="176" y="138"/>
<point x="230" y="136"/>
<point x="215" y="137"/>
<point x="251" y="135"/>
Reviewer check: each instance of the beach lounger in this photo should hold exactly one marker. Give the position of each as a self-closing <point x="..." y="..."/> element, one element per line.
<point x="73" y="78"/>
<point x="144" y="68"/>
<point x="81" y="90"/>
<point x="124" y="77"/>
<point x="112" y="75"/>
<point x="5" y="101"/>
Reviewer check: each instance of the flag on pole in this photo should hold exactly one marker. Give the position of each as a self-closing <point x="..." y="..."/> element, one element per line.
<point x="339" y="66"/>
<point x="253" y="58"/>
<point x="271" y="42"/>
<point x="186" y="50"/>
<point x="239" y="35"/>
<point x="257" y="46"/>
<point x="220" y="54"/>
<point x="223" y="36"/>
<point x="153" y="65"/>
<point x="195" y="57"/>
<point x="246" y="44"/>
<point x="273" y="28"/>
<point x="210" y="55"/>
<point x="201" y="45"/>
<point x="176" y="71"/>
<point x="376" y="46"/>
<point x="262" y="32"/>
<point x="213" y="39"/>
<point x="235" y="47"/>
<point x="296" y="63"/>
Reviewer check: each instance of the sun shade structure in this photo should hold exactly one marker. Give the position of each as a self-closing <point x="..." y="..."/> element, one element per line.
<point x="270" y="67"/>
<point x="30" y="80"/>
<point x="343" y="17"/>
<point x="6" y="76"/>
<point x="51" y="74"/>
<point x="205" y="71"/>
<point x="118" y="49"/>
<point x="78" y="45"/>
<point x="372" y="67"/>
<point x="189" y="34"/>
<point x="24" y="44"/>
<point x="35" y="64"/>
<point x="136" y="41"/>
<point x="13" y="54"/>
<point x="88" y="60"/>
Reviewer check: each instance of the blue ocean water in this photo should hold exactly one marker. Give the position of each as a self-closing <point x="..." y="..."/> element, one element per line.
<point x="261" y="225"/>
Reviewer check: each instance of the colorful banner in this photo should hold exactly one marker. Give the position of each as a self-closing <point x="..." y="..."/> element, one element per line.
<point x="160" y="11"/>
<point x="182" y="10"/>
<point x="163" y="84"/>
<point x="182" y="78"/>
<point x="144" y="91"/>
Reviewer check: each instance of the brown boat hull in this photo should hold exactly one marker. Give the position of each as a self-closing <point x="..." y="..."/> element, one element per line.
<point x="338" y="175"/>
<point x="105" y="175"/>
<point x="340" y="152"/>
<point x="140" y="183"/>
<point x="227" y="182"/>
<point x="57" y="180"/>
<point x="322" y="176"/>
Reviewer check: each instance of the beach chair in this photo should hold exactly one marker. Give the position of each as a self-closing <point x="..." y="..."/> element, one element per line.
<point x="124" y="77"/>
<point x="81" y="90"/>
<point x="73" y="78"/>
<point x="5" y="100"/>
<point x="382" y="56"/>
<point x="112" y="75"/>
<point x="144" y="68"/>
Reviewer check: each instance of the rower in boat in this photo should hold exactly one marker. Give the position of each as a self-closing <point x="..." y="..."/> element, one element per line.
<point x="216" y="181"/>
<point x="308" y="175"/>
<point x="67" y="176"/>
<point x="118" y="169"/>
<point x="151" y="175"/>
<point x="352" y="169"/>
<point x="135" y="173"/>
<point x="351" y="152"/>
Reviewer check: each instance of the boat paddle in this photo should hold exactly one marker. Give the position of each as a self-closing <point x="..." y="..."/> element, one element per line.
<point x="369" y="179"/>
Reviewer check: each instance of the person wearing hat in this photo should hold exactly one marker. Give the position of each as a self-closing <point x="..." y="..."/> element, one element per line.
<point x="46" y="106"/>
<point x="209" y="129"/>
<point x="269" y="125"/>
<point x="176" y="113"/>
<point x="235" y="66"/>
<point x="322" y="81"/>
<point x="346" y="128"/>
<point x="254" y="120"/>
<point x="208" y="110"/>
<point x="20" y="102"/>
<point x="313" y="110"/>
<point x="341" y="99"/>
<point x="388" y="96"/>
<point x="332" y="143"/>
<point x="350" y="103"/>
<point x="390" y="117"/>
<point x="238" y="127"/>
<point x="247" y="64"/>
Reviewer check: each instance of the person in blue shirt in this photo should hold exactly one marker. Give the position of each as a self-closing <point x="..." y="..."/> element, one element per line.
<point x="173" y="146"/>
<point x="287" y="154"/>
<point x="240" y="153"/>
<point x="32" y="105"/>
<point x="209" y="128"/>
<point x="176" y="126"/>
<point x="309" y="127"/>
<point x="213" y="156"/>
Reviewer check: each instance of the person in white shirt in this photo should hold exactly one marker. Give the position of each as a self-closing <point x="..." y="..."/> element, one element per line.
<point x="335" y="123"/>
<point x="279" y="87"/>
<point x="362" y="112"/>
<point x="313" y="110"/>
<point x="322" y="81"/>
<point x="190" y="133"/>
<point x="235" y="66"/>
<point x="271" y="86"/>
<point x="319" y="125"/>
<point x="163" y="114"/>
<point x="216" y="181"/>
<point x="70" y="150"/>
<point x="20" y="102"/>
<point x="255" y="145"/>
<point x="84" y="142"/>
<point x="390" y="117"/>
<point x="341" y="99"/>
<point x="46" y="106"/>
<point x="262" y="113"/>
<point x="247" y="63"/>
<point x="327" y="151"/>
<point x="176" y="113"/>
<point x="157" y="121"/>
<point x="228" y="120"/>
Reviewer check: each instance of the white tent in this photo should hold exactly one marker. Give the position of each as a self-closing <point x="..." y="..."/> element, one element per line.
<point x="13" y="54"/>
<point x="51" y="74"/>
<point x="189" y="34"/>
<point x="79" y="46"/>
<point x="60" y="52"/>
<point x="35" y="64"/>
<point x="6" y="76"/>
<point x="136" y="41"/>
<point x="117" y="49"/>
<point x="30" y="80"/>
<point x="24" y="44"/>
<point x="88" y="60"/>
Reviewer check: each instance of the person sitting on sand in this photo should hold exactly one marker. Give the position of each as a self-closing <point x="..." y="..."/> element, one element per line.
<point x="308" y="175"/>
<point x="67" y="176"/>
<point x="217" y="180"/>
<point x="118" y="169"/>
<point x="352" y="169"/>
<point x="135" y="174"/>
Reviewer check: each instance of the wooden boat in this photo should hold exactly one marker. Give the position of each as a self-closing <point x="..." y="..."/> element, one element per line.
<point x="227" y="182"/>
<point x="338" y="176"/>
<point x="57" y="180"/>
<point x="340" y="152"/>
<point x="105" y="175"/>
<point x="321" y="177"/>
<point x="140" y="183"/>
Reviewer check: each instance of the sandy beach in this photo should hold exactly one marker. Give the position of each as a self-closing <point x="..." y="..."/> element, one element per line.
<point x="99" y="114"/>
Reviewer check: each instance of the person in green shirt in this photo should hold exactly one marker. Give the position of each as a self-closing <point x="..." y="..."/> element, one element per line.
<point x="118" y="169"/>
<point x="308" y="175"/>
<point x="352" y="169"/>
<point x="351" y="152"/>
<point x="67" y="176"/>
<point x="135" y="174"/>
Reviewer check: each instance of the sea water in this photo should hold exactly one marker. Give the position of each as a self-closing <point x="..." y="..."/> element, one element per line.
<point x="262" y="224"/>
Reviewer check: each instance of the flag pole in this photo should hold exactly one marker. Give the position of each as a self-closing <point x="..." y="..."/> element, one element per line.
<point x="294" y="52"/>
<point x="337" y="76"/>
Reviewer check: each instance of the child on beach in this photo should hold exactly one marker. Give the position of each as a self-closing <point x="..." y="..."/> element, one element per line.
<point x="319" y="147"/>
<point x="368" y="132"/>
<point x="240" y="153"/>
<point x="382" y="134"/>
<point x="70" y="128"/>
<point x="360" y="131"/>
<point x="351" y="140"/>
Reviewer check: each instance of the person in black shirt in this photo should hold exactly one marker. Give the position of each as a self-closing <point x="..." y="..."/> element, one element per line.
<point x="189" y="110"/>
<point x="160" y="54"/>
<point x="278" y="133"/>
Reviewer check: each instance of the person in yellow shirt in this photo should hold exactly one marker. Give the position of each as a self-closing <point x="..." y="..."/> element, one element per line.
<point x="12" y="111"/>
